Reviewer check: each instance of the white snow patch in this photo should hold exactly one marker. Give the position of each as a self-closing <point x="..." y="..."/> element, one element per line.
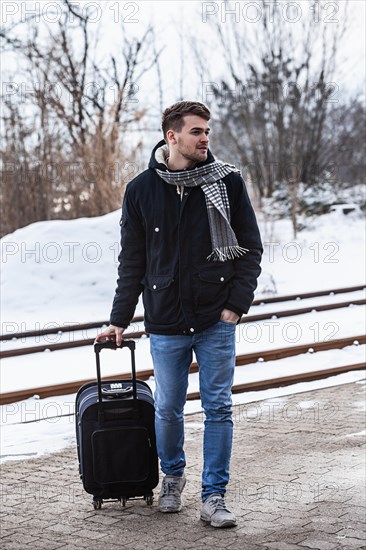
<point x="64" y="272"/>
<point x="357" y="434"/>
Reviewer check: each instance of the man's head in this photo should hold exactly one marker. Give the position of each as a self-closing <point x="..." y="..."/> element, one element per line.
<point x="186" y="132"/>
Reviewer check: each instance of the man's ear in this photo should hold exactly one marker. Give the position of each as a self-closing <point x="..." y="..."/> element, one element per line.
<point x="171" y="137"/>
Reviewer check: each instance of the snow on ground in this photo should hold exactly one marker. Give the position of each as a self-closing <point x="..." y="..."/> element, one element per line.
<point x="64" y="272"/>
<point x="59" y="272"/>
<point x="330" y="253"/>
<point x="87" y="334"/>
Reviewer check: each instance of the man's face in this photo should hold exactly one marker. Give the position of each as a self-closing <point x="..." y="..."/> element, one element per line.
<point x="192" y="140"/>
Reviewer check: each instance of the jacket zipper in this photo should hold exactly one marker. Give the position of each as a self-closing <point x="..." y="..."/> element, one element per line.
<point x="179" y="252"/>
<point x="180" y="189"/>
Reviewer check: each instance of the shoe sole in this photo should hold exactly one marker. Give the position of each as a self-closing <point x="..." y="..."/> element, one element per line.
<point x="224" y="523"/>
<point x="169" y="510"/>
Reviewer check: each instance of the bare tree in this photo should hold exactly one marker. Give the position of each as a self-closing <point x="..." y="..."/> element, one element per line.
<point x="346" y="133"/>
<point x="275" y="97"/>
<point x="65" y="151"/>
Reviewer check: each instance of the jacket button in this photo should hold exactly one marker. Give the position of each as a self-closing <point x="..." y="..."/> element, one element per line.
<point x="222" y="279"/>
<point x="154" y="287"/>
<point x="157" y="229"/>
<point x="191" y="330"/>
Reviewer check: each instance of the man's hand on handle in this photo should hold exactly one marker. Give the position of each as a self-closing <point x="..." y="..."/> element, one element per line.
<point x="111" y="333"/>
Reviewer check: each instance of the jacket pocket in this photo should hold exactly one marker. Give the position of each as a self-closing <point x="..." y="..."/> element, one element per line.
<point x="214" y="285"/>
<point x="157" y="282"/>
<point x="160" y="299"/>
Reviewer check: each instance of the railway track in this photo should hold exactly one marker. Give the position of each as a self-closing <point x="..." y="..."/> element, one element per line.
<point x="71" y="387"/>
<point x="244" y="359"/>
<point x="135" y="334"/>
<point x="249" y="386"/>
<point x="139" y="318"/>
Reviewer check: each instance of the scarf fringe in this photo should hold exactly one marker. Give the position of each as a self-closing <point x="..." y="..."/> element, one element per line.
<point x="227" y="253"/>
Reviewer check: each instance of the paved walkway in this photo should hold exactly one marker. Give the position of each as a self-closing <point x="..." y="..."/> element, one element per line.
<point x="298" y="481"/>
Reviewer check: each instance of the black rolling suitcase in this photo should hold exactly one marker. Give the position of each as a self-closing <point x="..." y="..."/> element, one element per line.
<point x="115" y="435"/>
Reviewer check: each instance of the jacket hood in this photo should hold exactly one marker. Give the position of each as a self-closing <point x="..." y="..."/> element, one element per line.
<point x="161" y="151"/>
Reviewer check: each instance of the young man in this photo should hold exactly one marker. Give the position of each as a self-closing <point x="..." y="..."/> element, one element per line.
<point x="191" y="244"/>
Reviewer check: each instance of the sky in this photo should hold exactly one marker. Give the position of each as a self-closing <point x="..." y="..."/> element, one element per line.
<point x="177" y="23"/>
<point x="176" y="19"/>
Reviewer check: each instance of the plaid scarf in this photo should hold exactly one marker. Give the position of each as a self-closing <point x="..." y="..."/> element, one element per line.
<point x="209" y="177"/>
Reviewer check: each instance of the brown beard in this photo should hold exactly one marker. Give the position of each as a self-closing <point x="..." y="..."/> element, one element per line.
<point x="194" y="157"/>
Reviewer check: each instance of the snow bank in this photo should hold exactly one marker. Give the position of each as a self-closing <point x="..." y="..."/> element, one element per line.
<point x="64" y="272"/>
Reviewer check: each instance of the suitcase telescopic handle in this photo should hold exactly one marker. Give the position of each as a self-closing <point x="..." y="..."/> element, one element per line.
<point x="111" y="344"/>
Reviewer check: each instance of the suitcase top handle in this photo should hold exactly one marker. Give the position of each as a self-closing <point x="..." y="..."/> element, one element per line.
<point x="111" y="344"/>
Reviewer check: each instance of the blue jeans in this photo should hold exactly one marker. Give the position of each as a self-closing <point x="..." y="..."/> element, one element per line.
<point x="172" y="356"/>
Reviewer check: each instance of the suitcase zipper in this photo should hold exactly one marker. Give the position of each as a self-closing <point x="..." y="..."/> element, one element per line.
<point x="95" y="394"/>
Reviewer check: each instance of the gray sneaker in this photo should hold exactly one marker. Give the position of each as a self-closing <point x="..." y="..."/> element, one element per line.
<point x="171" y="489"/>
<point x="215" y="512"/>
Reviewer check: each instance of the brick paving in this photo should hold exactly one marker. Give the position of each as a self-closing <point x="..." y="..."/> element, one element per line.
<point x="297" y="482"/>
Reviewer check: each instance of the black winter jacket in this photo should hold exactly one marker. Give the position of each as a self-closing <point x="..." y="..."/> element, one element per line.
<point x="165" y="240"/>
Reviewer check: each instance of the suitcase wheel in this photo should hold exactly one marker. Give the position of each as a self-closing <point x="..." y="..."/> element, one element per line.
<point x="149" y="499"/>
<point x="123" y="501"/>
<point x="97" y="503"/>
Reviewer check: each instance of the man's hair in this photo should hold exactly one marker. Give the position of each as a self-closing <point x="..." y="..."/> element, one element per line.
<point x="172" y="118"/>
